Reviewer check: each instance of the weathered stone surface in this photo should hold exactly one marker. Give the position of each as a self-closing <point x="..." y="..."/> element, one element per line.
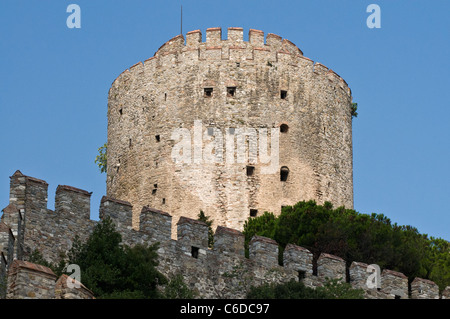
<point x="76" y="290"/>
<point x="30" y="281"/>
<point x="150" y="103"/>
<point x="424" y="289"/>
<point x="220" y="272"/>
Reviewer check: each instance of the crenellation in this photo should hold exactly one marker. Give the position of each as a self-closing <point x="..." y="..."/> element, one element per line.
<point x="227" y="240"/>
<point x="121" y="212"/>
<point x="394" y="284"/>
<point x="30" y="281"/>
<point x="264" y="250"/>
<point x="274" y="41"/>
<point x="156" y="223"/>
<point x="193" y="39"/>
<point x="424" y="289"/>
<point x="256" y="37"/>
<point x="213" y="36"/>
<point x="291" y="47"/>
<point x="173" y="45"/>
<point x="446" y="293"/>
<point x="36" y="194"/>
<point x="359" y="275"/>
<point x="235" y="35"/>
<point x="71" y="200"/>
<point x="298" y="258"/>
<point x="319" y="68"/>
<point x="192" y="233"/>
<point x="330" y="266"/>
<point x="75" y="291"/>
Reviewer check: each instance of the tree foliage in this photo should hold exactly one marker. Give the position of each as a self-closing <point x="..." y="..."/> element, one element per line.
<point x="101" y="159"/>
<point x="332" y="289"/>
<point x="372" y="239"/>
<point x="354" y="110"/>
<point x="202" y="217"/>
<point x="112" y="270"/>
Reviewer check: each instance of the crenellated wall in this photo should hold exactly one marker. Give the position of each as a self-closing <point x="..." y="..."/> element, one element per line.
<point x="220" y="272"/>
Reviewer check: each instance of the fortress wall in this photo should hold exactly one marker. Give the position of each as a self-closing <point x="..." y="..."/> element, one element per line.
<point x="30" y="281"/>
<point x="220" y="272"/>
<point x="152" y="101"/>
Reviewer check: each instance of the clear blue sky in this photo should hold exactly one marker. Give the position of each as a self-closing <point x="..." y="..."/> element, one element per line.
<point x="54" y="83"/>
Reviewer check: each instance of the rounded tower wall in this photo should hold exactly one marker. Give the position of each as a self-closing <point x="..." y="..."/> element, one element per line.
<point x="264" y="84"/>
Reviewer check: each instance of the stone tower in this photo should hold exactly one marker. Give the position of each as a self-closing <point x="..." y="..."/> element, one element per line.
<point x="230" y="127"/>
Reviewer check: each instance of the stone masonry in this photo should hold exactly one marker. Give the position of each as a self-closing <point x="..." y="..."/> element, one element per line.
<point x="219" y="272"/>
<point x="226" y="92"/>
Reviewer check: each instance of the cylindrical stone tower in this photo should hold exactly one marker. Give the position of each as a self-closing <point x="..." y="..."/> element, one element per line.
<point x="230" y="127"/>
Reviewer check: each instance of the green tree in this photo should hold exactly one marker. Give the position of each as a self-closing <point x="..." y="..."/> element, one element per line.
<point x="372" y="239"/>
<point x="113" y="270"/>
<point x="101" y="159"/>
<point x="337" y="289"/>
<point x="332" y="289"/>
<point x="354" y="109"/>
<point x="177" y="289"/>
<point x="202" y="217"/>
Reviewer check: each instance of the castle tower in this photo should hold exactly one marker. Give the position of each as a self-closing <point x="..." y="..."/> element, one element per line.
<point x="230" y="127"/>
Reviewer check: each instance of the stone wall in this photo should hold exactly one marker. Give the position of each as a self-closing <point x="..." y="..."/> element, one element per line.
<point x="31" y="281"/>
<point x="219" y="272"/>
<point x="303" y="106"/>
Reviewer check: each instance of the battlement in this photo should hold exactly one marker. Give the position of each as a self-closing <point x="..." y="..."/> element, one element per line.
<point x="53" y="231"/>
<point x="268" y="50"/>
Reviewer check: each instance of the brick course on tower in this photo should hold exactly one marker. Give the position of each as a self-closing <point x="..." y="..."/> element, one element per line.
<point x="228" y="85"/>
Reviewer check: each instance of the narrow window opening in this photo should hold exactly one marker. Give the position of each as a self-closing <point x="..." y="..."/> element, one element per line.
<point x="130" y="144"/>
<point x="284" y="128"/>
<point x="118" y="166"/>
<point x="165" y="96"/>
<point x="283" y="94"/>
<point x="238" y="64"/>
<point x="157" y="138"/>
<point x="121" y="111"/>
<point x="250" y="170"/>
<point x="155" y="185"/>
<point x="163" y="201"/>
<point x="231" y="91"/>
<point x="253" y="212"/>
<point x="301" y="275"/>
<point x="284" y="173"/>
<point x="154" y="191"/>
<point x="194" y="252"/>
<point x="208" y="92"/>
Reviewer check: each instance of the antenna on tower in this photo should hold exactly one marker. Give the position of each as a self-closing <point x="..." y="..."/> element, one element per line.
<point x="181" y="25"/>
